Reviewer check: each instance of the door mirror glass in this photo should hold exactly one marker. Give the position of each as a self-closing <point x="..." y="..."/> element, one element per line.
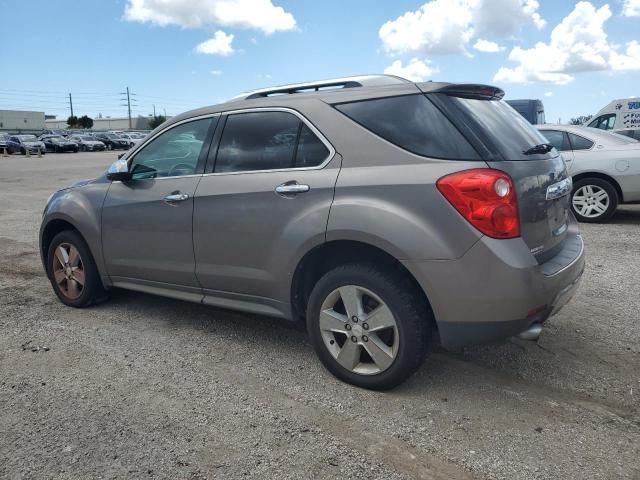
<point x="119" y="170"/>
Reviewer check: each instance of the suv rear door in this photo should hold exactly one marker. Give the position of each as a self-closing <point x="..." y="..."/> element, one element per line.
<point x="263" y="202"/>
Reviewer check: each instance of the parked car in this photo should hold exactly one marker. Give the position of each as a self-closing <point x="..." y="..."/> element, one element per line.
<point x="88" y="143"/>
<point x="377" y="210"/>
<point x="4" y="140"/>
<point x="605" y="168"/>
<point x="131" y="138"/>
<point x="59" y="144"/>
<point x="112" y="141"/>
<point x="24" y="144"/>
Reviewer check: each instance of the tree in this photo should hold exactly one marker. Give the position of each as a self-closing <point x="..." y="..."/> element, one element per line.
<point x="85" y="122"/>
<point x="72" y="121"/>
<point x="156" y="120"/>
<point x="580" y="120"/>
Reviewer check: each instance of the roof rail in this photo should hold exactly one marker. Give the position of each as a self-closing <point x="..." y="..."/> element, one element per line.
<point x="334" y="83"/>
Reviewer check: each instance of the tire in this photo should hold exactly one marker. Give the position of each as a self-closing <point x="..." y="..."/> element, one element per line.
<point x="23" y="151"/>
<point x="405" y="343"/>
<point x="82" y="295"/>
<point x="593" y="200"/>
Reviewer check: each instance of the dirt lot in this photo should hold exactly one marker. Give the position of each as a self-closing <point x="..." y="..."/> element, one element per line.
<point x="145" y="387"/>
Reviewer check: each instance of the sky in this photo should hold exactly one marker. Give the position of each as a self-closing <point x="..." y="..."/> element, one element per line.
<point x="182" y="54"/>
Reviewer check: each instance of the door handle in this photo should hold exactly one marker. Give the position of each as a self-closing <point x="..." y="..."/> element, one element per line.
<point x="291" y="188"/>
<point x="176" y="197"/>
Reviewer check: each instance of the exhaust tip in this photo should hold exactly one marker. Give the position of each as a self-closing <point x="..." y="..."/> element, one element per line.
<point x="532" y="333"/>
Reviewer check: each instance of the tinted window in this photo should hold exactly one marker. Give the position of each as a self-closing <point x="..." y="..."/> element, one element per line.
<point x="579" y="143"/>
<point x="173" y="153"/>
<point x="556" y="138"/>
<point x="311" y="151"/>
<point x="411" y="122"/>
<point x="267" y="141"/>
<point x="503" y="130"/>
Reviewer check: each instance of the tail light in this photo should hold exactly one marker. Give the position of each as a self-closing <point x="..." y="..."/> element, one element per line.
<point x="486" y="198"/>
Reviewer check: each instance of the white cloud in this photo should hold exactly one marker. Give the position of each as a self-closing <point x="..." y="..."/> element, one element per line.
<point x="216" y="73"/>
<point x="446" y="26"/>
<point x="220" y="44"/>
<point x="578" y="44"/>
<point x="416" y="70"/>
<point x="631" y="8"/>
<point x="487" y="46"/>
<point x="251" y="14"/>
<point x="548" y="94"/>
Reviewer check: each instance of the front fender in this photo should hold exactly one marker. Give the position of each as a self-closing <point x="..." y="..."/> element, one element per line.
<point x="80" y="207"/>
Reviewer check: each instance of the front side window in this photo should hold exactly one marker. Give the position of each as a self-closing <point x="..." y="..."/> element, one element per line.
<point x="173" y="153"/>
<point x="257" y="141"/>
<point x="557" y="139"/>
<point x="411" y="122"/>
<point x="579" y="143"/>
<point x="604" y="122"/>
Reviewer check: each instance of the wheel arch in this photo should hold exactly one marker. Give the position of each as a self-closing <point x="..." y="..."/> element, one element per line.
<point x="49" y="231"/>
<point x="328" y="255"/>
<point x="601" y="176"/>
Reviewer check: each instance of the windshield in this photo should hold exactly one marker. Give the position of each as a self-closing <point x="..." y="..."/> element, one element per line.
<point x="28" y="138"/>
<point x="502" y="128"/>
<point x="113" y="136"/>
<point x="87" y="137"/>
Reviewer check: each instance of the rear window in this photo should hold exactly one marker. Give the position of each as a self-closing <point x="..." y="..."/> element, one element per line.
<point x="411" y="122"/>
<point x="502" y="129"/>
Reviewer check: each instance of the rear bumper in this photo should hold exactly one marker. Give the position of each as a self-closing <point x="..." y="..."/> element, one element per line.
<point x="497" y="289"/>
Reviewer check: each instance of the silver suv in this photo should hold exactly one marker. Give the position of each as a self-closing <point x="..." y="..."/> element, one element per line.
<point x="381" y="212"/>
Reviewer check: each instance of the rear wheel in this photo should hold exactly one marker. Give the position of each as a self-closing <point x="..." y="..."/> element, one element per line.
<point x="72" y="271"/>
<point x="594" y="200"/>
<point x="369" y="325"/>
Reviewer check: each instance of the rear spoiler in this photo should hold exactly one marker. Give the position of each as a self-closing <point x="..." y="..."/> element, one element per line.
<point x="465" y="90"/>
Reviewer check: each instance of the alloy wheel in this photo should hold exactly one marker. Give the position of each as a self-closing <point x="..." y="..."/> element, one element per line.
<point x="359" y="330"/>
<point x="591" y="201"/>
<point x="68" y="270"/>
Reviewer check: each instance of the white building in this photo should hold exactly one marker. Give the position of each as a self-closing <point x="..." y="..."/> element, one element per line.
<point x="17" y="120"/>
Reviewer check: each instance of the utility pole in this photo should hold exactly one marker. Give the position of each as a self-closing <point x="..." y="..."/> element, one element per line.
<point x="154" y="110"/>
<point x="71" y="104"/>
<point x="165" y="113"/>
<point x="128" y="105"/>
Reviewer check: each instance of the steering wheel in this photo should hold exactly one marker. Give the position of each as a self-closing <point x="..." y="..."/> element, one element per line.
<point x="181" y="169"/>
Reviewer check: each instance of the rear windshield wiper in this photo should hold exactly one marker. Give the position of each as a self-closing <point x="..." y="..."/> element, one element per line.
<point x="541" y="148"/>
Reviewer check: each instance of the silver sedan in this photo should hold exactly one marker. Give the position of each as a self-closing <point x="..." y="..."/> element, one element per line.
<point x="605" y="168"/>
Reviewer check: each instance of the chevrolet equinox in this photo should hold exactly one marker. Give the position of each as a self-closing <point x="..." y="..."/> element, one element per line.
<point x="383" y="213"/>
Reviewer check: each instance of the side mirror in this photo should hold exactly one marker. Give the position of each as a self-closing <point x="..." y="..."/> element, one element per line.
<point x="119" y="170"/>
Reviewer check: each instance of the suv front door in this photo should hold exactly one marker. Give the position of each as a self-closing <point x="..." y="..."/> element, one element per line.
<point x="147" y="221"/>
<point x="262" y="204"/>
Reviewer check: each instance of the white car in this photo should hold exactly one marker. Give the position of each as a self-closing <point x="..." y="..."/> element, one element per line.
<point x="604" y="166"/>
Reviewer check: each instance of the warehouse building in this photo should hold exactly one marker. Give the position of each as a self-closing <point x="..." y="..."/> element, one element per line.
<point x="21" y="121"/>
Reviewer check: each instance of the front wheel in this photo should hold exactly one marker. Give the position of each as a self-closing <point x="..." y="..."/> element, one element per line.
<point x="594" y="200"/>
<point x="369" y="325"/>
<point x="72" y="271"/>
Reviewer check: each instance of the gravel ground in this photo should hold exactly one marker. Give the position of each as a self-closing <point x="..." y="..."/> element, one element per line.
<point x="146" y="387"/>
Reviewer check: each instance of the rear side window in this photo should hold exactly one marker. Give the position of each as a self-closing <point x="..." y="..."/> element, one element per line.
<point x="579" y="143"/>
<point x="557" y="139"/>
<point x="267" y="141"/>
<point x="411" y="122"/>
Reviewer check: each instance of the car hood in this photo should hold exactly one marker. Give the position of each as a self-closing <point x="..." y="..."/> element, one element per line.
<point x="80" y="183"/>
